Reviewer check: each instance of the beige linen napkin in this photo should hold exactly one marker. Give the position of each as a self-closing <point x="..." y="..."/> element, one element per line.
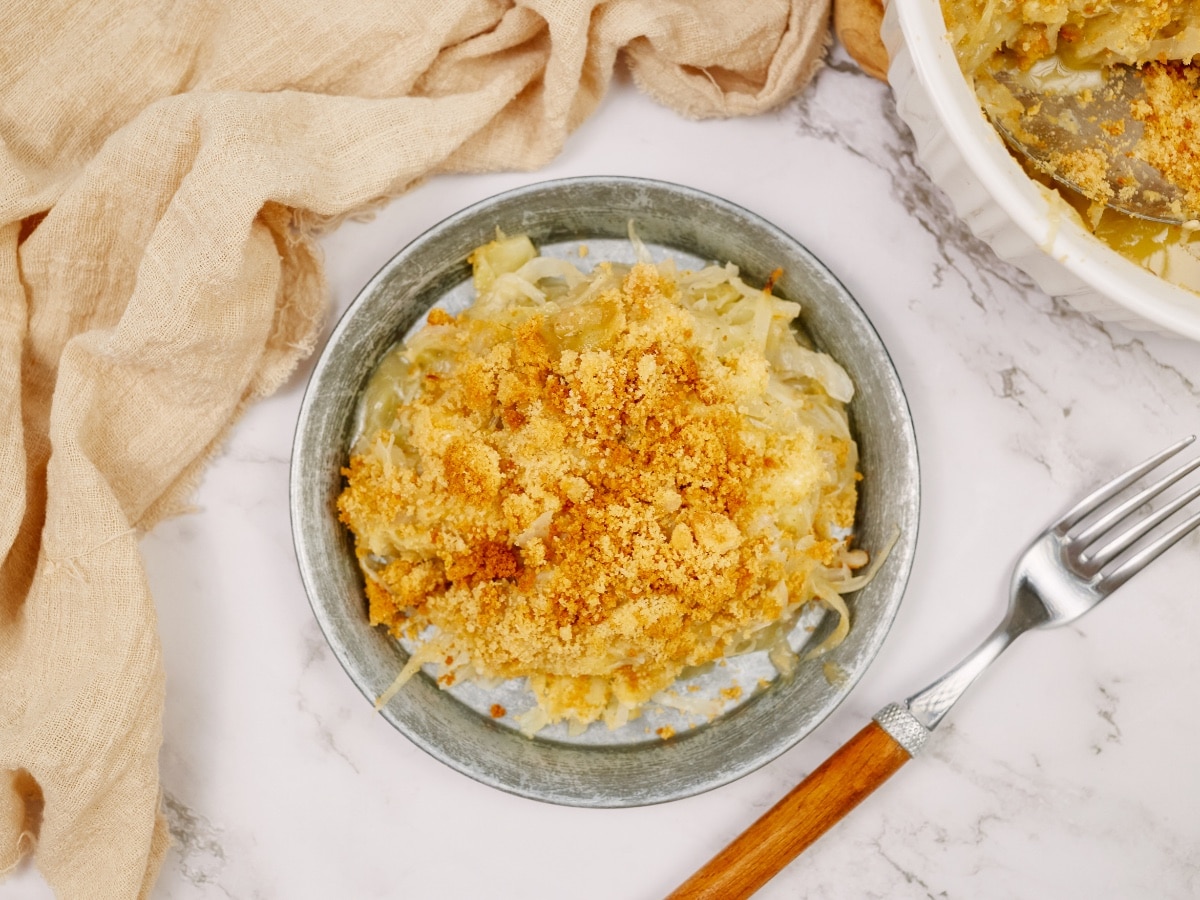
<point x="163" y="167"/>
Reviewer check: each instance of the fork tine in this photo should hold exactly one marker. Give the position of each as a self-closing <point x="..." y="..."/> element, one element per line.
<point x="1144" y="557"/>
<point x="1118" y="484"/>
<point x="1117" y="546"/>
<point x="1101" y="525"/>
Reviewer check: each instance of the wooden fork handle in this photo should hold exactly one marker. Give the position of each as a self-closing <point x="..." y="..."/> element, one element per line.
<point x="814" y="806"/>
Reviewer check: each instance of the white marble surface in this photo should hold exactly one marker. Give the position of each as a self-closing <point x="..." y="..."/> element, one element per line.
<point x="1069" y="771"/>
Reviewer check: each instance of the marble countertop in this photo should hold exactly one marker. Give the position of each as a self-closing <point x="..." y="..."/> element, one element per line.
<point x="1068" y="771"/>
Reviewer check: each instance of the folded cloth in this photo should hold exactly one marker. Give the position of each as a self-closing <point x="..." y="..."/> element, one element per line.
<point x="164" y="167"/>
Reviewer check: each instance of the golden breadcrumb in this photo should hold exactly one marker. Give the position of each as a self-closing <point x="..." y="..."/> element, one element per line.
<point x="1087" y="170"/>
<point x="1171" y="116"/>
<point x="593" y="515"/>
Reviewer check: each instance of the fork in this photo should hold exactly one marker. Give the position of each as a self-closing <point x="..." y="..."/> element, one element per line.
<point x="1067" y="570"/>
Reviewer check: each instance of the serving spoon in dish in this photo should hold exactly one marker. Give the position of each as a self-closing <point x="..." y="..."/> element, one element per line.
<point x="1078" y="129"/>
<point x="1069" y="568"/>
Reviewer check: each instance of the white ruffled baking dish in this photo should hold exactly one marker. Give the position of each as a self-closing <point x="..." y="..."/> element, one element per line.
<point x="965" y="157"/>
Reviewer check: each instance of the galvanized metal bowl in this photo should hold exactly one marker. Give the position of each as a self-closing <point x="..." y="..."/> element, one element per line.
<point x="631" y="766"/>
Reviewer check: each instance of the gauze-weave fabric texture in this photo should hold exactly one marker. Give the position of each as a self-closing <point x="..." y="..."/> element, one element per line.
<point x="163" y="170"/>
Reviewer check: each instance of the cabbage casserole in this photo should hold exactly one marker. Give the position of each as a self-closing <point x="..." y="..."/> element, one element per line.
<point x="598" y="481"/>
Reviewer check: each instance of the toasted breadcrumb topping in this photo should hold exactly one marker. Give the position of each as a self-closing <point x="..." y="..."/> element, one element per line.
<point x="1171" y="115"/>
<point x="578" y="496"/>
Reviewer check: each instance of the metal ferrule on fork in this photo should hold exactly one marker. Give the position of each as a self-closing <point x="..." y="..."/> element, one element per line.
<point x="903" y="727"/>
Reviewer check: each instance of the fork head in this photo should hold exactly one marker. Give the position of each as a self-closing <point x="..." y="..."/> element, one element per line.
<point x="1099" y="544"/>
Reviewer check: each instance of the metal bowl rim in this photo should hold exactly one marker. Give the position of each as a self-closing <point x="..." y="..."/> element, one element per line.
<point x="305" y="561"/>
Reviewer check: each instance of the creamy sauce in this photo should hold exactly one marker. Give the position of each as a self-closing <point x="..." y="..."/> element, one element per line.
<point x="1052" y="75"/>
<point x="1171" y="252"/>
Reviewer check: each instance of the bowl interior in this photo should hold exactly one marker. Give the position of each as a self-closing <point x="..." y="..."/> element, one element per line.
<point x="630" y="769"/>
<point x="1071" y="262"/>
